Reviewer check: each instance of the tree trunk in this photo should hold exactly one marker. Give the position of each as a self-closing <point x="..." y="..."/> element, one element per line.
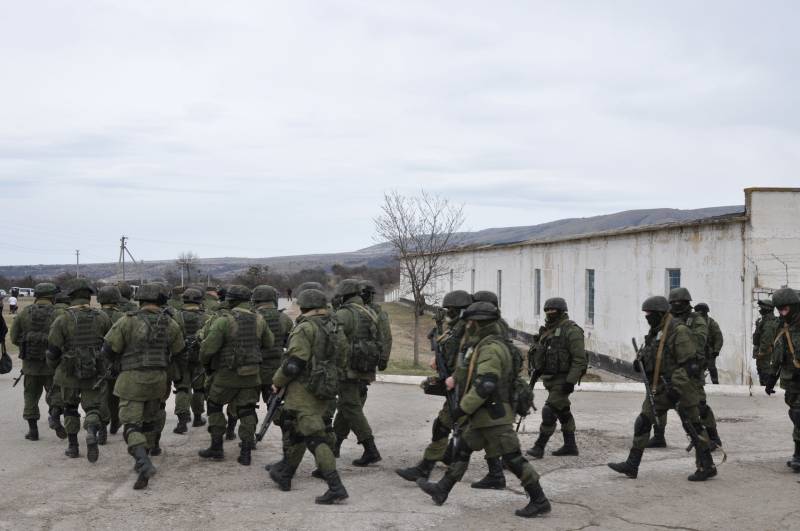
<point x="416" y="337"/>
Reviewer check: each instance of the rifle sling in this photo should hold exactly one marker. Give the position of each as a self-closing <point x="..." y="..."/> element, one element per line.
<point x="660" y="351"/>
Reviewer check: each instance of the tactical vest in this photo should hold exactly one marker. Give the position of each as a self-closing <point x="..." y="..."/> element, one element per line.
<point x="650" y="350"/>
<point x="700" y="352"/>
<point x="365" y="343"/>
<point x="192" y="322"/>
<point x="273" y="318"/>
<point x="450" y="343"/>
<point x="35" y="340"/>
<point x="83" y="347"/>
<point x="551" y="353"/>
<point x="243" y="349"/>
<point x="148" y="350"/>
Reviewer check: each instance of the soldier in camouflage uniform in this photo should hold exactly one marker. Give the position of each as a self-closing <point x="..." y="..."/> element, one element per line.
<point x="763" y="338"/>
<point x="109" y="299"/>
<point x="190" y="387"/>
<point x="75" y="339"/>
<point x="669" y="357"/>
<point x="713" y="343"/>
<point x="231" y="354"/>
<point x="360" y="325"/>
<point x="212" y="299"/>
<point x="785" y="363"/>
<point x="142" y="342"/>
<point x="488" y="377"/>
<point x="265" y="303"/>
<point x="176" y="297"/>
<point x="491" y="298"/>
<point x="126" y="293"/>
<point x="29" y="332"/>
<point x="559" y="358"/>
<point x="311" y="376"/>
<point x="450" y="344"/>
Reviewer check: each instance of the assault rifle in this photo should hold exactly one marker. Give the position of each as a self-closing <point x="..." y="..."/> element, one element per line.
<point x="274" y="402"/>
<point x="435" y="336"/>
<point x="18" y="378"/>
<point x="647" y="385"/>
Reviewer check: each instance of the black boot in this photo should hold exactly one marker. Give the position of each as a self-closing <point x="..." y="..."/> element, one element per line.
<point x="370" y="455"/>
<point x="495" y="479"/>
<point x="336" y="491"/>
<point x="657" y="440"/>
<point x="33" y="430"/>
<point x="280" y="463"/>
<point x="630" y="467"/>
<point x="102" y="435"/>
<point x="538" y="503"/>
<point x="113" y="428"/>
<point x="569" y="448"/>
<point x="537" y="450"/>
<point x="437" y="491"/>
<point x="55" y="423"/>
<point x="144" y="467"/>
<point x="230" y="431"/>
<point x="198" y="420"/>
<point x="156" y="449"/>
<point x="214" y="451"/>
<point x="317" y="473"/>
<point x="92" y="449"/>
<point x="72" y="447"/>
<point x="182" y="427"/>
<point x="337" y="448"/>
<point x="716" y="442"/>
<point x="244" y="453"/>
<point x="794" y="462"/>
<point x="282" y="475"/>
<point x="421" y="470"/>
<point x="706" y="468"/>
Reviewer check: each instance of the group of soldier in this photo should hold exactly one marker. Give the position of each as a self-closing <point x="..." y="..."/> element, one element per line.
<point x="235" y="347"/>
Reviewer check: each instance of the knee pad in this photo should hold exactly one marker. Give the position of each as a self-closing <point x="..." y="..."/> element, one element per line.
<point x="439" y="430"/>
<point x="248" y="410"/>
<point x="148" y="426"/>
<point x="514" y="462"/>
<point x="213" y="407"/>
<point x="548" y="416"/>
<point x="71" y="411"/>
<point x="313" y="442"/>
<point x="130" y="428"/>
<point x="642" y="425"/>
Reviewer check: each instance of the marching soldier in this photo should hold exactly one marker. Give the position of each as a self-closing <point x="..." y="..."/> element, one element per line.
<point x="713" y="343"/>
<point x="190" y="388"/>
<point x="763" y="339"/>
<point x="109" y="298"/>
<point x="126" y="293"/>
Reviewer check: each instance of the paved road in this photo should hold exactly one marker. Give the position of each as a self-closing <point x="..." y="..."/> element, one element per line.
<point x="41" y="489"/>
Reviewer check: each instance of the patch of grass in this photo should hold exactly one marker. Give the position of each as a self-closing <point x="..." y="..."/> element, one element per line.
<point x="407" y="368"/>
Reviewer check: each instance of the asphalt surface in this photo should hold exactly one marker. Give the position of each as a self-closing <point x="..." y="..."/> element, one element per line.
<point x="42" y="489"/>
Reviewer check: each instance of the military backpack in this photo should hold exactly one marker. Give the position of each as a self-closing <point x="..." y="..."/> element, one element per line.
<point x="35" y="341"/>
<point x="366" y="345"/>
<point x="81" y="355"/>
<point x="325" y="367"/>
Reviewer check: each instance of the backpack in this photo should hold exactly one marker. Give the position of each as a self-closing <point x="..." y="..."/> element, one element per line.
<point x="521" y="392"/>
<point x="325" y="371"/>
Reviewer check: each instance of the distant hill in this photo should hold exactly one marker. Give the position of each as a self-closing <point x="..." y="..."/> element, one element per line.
<point x="380" y="255"/>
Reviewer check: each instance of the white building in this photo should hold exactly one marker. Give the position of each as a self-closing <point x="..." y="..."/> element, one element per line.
<point x="727" y="261"/>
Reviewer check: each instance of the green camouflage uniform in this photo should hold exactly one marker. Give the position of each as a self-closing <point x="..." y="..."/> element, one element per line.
<point x="281" y="326"/>
<point x="190" y="387"/>
<point x="713" y="348"/>
<point x="763" y="338"/>
<point x="109" y="404"/>
<point x="126" y="305"/>
<point x="786" y="365"/>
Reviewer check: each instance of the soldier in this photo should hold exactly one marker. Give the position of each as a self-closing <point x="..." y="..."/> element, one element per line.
<point x="310" y="375"/>
<point x="559" y="358"/>
<point x="109" y="299"/>
<point x="491" y="298"/>
<point x="785" y="363"/>
<point x="142" y="343"/>
<point x="212" y="299"/>
<point x="231" y="354"/>
<point x="360" y="325"/>
<point x="29" y="332"/>
<point x="176" y="297"/>
<point x="74" y="345"/>
<point x="449" y="344"/>
<point x="486" y="408"/>
<point x="265" y="303"/>
<point x="763" y="338"/>
<point x="713" y="343"/>
<point x="126" y="293"/>
<point x="190" y="387"/>
<point x="669" y="357"/>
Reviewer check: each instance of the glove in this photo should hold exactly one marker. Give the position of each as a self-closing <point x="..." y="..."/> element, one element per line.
<point x="673" y="395"/>
<point x="769" y="385"/>
<point x="568" y="387"/>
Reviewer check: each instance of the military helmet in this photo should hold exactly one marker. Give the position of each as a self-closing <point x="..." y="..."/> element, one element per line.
<point x="785" y="297"/>
<point x="457" y="299"/>
<point x="481" y="311"/>
<point x="701" y="307"/>
<point x="485" y="296"/>
<point x="368" y="286"/>
<point x="177" y="291"/>
<point x="655" y="304"/>
<point x="125" y="289"/>
<point x="237" y="292"/>
<point x="307" y="285"/>
<point x="108" y="295"/>
<point x="265" y="293"/>
<point x="151" y="292"/>
<point x="348" y="287"/>
<point x="79" y="284"/>
<point x="679" y="294"/>
<point x="555" y="303"/>
<point x="45" y="289"/>
<point x="62" y="297"/>
<point x="310" y="299"/>
<point x="192" y="296"/>
<point x="766" y="303"/>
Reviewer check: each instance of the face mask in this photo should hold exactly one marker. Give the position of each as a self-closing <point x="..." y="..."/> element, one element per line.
<point x="764" y="311"/>
<point x="653" y="319"/>
<point x="552" y="317"/>
<point x="678" y="307"/>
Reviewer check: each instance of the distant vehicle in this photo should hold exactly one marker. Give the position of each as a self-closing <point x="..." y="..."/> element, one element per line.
<point x="22" y="292"/>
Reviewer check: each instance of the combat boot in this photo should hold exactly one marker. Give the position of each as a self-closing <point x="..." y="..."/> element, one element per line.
<point x="336" y="491"/>
<point x="144" y="467"/>
<point x="102" y="435"/>
<point x="422" y="470"/>
<point x="54" y="421"/>
<point x="794" y="462"/>
<point x="569" y="448"/>
<point x="630" y="467"/>
<point x="370" y="455"/>
<point x="198" y="420"/>
<point x="279" y="463"/>
<point x="657" y="440"/>
<point x="495" y="479"/>
<point x="214" y="451"/>
<point x="537" y="450"/>
<point x="244" y="453"/>
<point x="230" y="430"/>
<point x="72" y="446"/>
<point x="706" y="468"/>
<point x="282" y="475"/>
<point x="113" y="428"/>
<point x="538" y="504"/>
<point x="33" y="430"/>
<point x="182" y="427"/>
<point x="92" y="449"/>
<point x="156" y="449"/>
<point x="437" y="491"/>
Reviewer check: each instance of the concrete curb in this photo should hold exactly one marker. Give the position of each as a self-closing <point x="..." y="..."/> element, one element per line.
<point x="604" y="387"/>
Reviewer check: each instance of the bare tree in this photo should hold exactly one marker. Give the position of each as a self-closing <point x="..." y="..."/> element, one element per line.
<point x="187" y="262"/>
<point x="420" y="229"/>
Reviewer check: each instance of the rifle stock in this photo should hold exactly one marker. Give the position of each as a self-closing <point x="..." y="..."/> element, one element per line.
<point x="273" y="404"/>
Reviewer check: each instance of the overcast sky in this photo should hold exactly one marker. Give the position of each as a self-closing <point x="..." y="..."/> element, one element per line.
<point x="273" y="128"/>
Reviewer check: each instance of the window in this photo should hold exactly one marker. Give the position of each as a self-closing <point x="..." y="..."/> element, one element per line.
<point x="451" y="280"/>
<point x="537" y="290"/>
<point x="673" y="279"/>
<point x="590" y="296"/>
<point x="472" y="281"/>
<point x="499" y="288"/>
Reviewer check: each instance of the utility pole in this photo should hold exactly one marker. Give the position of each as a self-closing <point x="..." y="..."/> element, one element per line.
<point x="121" y="260"/>
<point x="77" y="263"/>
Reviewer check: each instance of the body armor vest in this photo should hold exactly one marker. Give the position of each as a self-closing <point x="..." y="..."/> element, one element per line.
<point x="84" y="345"/>
<point x="551" y="353"/>
<point x="273" y="318"/>
<point x="450" y="345"/>
<point x="192" y="322"/>
<point x="243" y="349"/>
<point x="42" y="316"/>
<point x="148" y="350"/>
<point x="650" y="349"/>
